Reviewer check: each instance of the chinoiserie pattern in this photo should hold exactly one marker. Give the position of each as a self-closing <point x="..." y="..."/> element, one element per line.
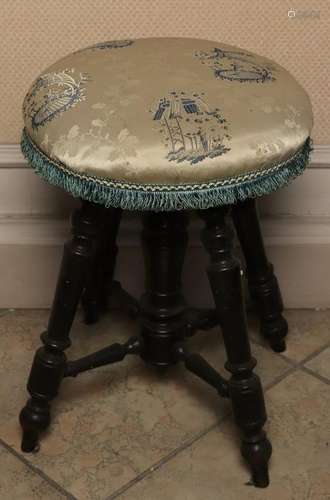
<point x="164" y="125"/>
<point x="52" y="94"/>
<point x="236" y="66"/>
<point x="190" y="129"/>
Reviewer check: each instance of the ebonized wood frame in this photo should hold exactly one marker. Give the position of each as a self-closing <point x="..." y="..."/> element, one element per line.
<point x="166" y="321"/>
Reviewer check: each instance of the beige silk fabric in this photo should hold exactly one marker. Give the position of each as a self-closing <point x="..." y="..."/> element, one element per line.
<point x="167" y="111"/>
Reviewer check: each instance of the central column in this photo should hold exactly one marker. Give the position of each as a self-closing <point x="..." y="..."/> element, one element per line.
<point x="164" y="240"/>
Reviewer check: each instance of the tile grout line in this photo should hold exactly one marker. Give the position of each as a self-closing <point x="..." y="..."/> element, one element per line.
<point x="151" y="469"/>
<point x="301" y="363"/>
<point x="297" y="364"/>
<point x="293" y="367"/>
<point x="164" y="460"/>
<point x="187" y="444"/>
<point x="316" y="375"/>
<point x="37" y="471"/>
<point x="279" y="378"/>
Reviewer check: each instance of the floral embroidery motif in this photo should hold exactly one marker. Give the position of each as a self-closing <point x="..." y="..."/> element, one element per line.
<point x="191" y="131"/>
<point x="235" y="66"/>
<point x="52" y="94"/>
<point x="104" y="143"/>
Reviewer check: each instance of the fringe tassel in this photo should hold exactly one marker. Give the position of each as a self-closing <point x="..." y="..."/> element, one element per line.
<point x="167" y="199"/>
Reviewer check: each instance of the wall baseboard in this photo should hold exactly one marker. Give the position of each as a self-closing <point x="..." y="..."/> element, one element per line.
<point x="30" y="253"/>
<point x="296" y="224"/>
<point x="23" y="193"/>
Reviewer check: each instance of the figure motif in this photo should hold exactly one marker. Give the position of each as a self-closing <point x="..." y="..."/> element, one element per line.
<point x="190" y="129"/>
<point x="235" y="66"/>
<point x="52" y="94"/>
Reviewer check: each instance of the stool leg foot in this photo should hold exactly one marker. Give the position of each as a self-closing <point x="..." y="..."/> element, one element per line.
<point x="34" y="418"/>
<point x="49" y="362"/>
<point x="244" y="387"/>
<point x="263" y="285"/>
<point x="257" y="455"/>
<point x="30" y="442"/>
<point x="275" y="331"/>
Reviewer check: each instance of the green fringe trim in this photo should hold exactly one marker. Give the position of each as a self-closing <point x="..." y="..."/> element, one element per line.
<point x="131" y="196"/>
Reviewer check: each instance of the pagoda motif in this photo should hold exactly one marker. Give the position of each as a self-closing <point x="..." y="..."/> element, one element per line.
<point x="191" y="130"/>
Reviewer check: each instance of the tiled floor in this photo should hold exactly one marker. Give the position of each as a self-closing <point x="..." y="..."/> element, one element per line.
<point x="130" y="433"/>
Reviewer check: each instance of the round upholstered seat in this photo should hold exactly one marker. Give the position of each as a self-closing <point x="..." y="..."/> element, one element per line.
<point x="166" y="123"/>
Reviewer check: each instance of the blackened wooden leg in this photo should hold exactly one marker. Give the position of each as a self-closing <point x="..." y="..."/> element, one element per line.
<point x="164" y="239"/>
<point x="96" y="294"/>
<point x="245" y="388"/>
<point x="50" y="361"/>
<point x="262" y="281"/>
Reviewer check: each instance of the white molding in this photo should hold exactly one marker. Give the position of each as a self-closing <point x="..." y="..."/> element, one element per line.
<point x="30" y="253"/>
<point x="277" y="231"/>
<point x="32" y="234"/>
<point x="321" y="155"/>
<point x="11" y="156"/>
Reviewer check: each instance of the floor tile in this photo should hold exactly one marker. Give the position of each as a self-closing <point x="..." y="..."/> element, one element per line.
<point x="309" y="330"/>
<point x="111" y="424"/>
<point x="19" y="482"/>
<point x="321" y="364"/>
<point x="298" y="425"/>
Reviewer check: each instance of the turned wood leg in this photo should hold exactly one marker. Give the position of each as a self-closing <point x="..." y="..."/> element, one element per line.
<point x="95" y="297"/>
<point x="164" y="240"/>
<point x="262" y="281"/>
<point x="245" y="389"/>
<point x="49" y="363"/>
